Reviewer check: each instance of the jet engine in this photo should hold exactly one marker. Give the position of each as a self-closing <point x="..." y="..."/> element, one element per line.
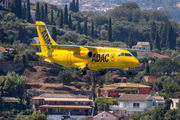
<point x="83" y="54"/>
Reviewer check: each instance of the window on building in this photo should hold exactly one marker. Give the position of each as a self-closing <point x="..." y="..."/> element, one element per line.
<point x="176" y="104"/>
<point x="136" y="105"/>
<point x="81" y="103"/>
<point x="137" y="91"/>
<point x="64" y="102"/>
<point x="131" y="92"/>
<point x="144" y="48"/>
<point x="139" y="48"/>
<point x="102" y="115"/>
<point x="75" y="110"/>
<point x="106" y="115"/>
<point x="56" y="102"/>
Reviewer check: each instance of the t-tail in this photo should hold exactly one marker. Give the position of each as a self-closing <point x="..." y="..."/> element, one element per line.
<point x="44" y="37"/>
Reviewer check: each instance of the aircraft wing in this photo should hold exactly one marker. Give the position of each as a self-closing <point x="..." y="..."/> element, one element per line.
<point x="65" y="46"/>
<point x="134" y="50"/>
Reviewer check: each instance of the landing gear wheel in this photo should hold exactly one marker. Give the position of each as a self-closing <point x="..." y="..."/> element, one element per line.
<point x="101" y="73"/>
<point x="129" y="73"/>
<point x="83" y="72"/>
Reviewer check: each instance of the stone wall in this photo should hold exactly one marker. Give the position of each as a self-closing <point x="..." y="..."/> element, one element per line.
<point x="11" y="66"/>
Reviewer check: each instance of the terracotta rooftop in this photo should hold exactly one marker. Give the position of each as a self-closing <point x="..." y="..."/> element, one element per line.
<point x="2" y="49"/>
<point x="156" y="55"/>
<point x="10" y="99"/>
<point x="89" y="118"/>
<point x="99" y="112"/>
<point x="125" y="85"/>
<point x="118" y="77"/>
<point x="133" y="97"/>
<point x="140" y="44"/>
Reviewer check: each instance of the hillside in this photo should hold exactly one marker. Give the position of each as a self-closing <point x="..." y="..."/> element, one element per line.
<point x="44" y="79"/>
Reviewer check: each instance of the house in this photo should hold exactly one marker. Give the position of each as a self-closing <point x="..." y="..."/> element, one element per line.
<point x="5" y="4"/>
<point x="10" y="100"/>
<point x="133" y="103"/>
<point x="142" y="46"/>
<point x="3" y="52"/>
<point x="141" y="67"/>
<point x="150" y="77"/>
<point x="118" y="89"/>
<point x="58" y="105"/>
<point x="118" y="78"/>
<point x="156" y="55"/>
<point x="108" y="115"/>
<point x="174" y="104"/>
<point x="159" y="100"/>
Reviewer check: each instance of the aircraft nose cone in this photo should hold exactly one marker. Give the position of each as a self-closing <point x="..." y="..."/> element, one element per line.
<point x="136" y="63"/>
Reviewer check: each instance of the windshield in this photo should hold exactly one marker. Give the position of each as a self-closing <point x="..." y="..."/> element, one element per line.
<point x="128" y="54"/>
<point x="121" y="54"/>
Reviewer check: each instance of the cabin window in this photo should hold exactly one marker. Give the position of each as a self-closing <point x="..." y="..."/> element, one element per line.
<point x="128" y="54"/>
<point x="121" y="54"/>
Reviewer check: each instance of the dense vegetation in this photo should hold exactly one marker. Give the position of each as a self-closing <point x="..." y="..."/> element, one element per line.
<point x="122" y="27"/>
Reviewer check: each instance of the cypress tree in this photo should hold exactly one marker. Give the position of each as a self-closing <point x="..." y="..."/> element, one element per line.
<point x="109" y="30"/>
<point x="85" y="28"/>
<point x="70" y="22"/>
<point x="130" y="41"/>
<point x="12" y="6"/>
<point x="24" y="11"/>
<point x="37" y="14"/>
<point x="61" y="19"/>
<point x="19" y="9"/>
<point x="53" y="32"/>
<point x="42" y="13"/>
<point x="51" y="16"/>
<point x="77" y="6"/>
<point x="45" y="13"/>
<point x="163" y="34"/>
<point x="58" y="14"/>
<point x="78" y="27"/>
<point x="28" y="15"/>
<point x="92" y="30"/>
<point x="156" y="42"/>
<point x="152" y="32"/>
<point x="65" y="15"/>
<point x="73" y="6"/>
<point x="147" y="68"/>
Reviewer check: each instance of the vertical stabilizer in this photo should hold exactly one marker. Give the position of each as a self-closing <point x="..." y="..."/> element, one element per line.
<point x="44" y="36"/>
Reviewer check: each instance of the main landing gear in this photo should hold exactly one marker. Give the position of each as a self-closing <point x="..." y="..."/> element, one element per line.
<point x="83" y="72"/>
<point x="101" y="72"/>
<point x="129" y="72"/>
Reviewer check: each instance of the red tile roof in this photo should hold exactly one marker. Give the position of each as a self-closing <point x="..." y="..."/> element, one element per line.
<point x="118" y="77"/>
<point x="157" y="55"/>
<point x="2" y="49"/>
<point x="89" y="118"/>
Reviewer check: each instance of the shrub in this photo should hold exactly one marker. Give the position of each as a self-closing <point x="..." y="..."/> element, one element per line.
<point x="87" y="86"/>
<point x="77" y="85"/>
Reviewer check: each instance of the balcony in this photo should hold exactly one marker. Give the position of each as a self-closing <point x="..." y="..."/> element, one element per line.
<point x="117" y="107"/>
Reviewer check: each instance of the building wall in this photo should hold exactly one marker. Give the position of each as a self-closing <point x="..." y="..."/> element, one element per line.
<point x="142" y="48"/>
<point x="144" y="90"/>
<point x="150" y="79"/>
<point x="174" y="103"/>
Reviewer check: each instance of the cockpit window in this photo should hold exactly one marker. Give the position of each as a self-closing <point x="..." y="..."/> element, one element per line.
<point x="127" y="54"/>
<point x="121" y="54"/>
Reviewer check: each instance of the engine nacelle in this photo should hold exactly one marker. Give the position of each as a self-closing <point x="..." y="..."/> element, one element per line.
<point x="83" y="54"/>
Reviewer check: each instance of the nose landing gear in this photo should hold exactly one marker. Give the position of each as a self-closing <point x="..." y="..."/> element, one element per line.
<point x="129" y="72"/>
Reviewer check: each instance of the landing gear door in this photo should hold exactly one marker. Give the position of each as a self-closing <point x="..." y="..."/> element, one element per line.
<point x="69" y="59"/>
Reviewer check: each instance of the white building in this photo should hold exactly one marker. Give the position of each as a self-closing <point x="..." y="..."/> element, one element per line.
<point x="134" y="103"/>
<point x="159" y="100"/>
<point x="174" y="104"/>
<point x="142" y="46"/>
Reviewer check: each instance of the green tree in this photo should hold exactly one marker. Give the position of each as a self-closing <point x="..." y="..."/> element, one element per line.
<point x="163" y="34"/>
<point x="65" y="76"/>
<point x="28" y="15"/>
<point x="70" y="22"/>
<point x="45" y="13"/>
<point x="37" y="116"/>
<point x="24" y="60"/>
<point x="42" y="13"/>
<point x="78" y="27"/>
<point x="152" y="32"/>
<point x="177" y="79"/>
<point x="27" y="96"/>
<point x="147" y="70"/>
<point x="24" y="11"/>
<point x="19" y="9"/>
<point x="168" y="103"/>
<point x="135" y="116"/>
<point x="77" y="5"/>
<point x="51" y="16"/>
<point x="158" y="113"/>
<point x="156" y="42"/>
<point x="58" y="14"/>
<point x="73" y="6"/>
<point x="3" y="36"/>
<point x="109" y="30"/>
<point x="61" y="19"/>
<point x="92" y="30"/>
<point x="103" y="103"/>
<point x="37" y="14"/>
<point x="65" y="15"/>
<point x="171" y="115"/>
<point x="54" y="32"/>
<point x="85" y="27"/>
<point x="129" y="5"/>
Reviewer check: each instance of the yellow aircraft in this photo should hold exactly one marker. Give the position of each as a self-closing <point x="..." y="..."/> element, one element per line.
<point x="83" y="57"/>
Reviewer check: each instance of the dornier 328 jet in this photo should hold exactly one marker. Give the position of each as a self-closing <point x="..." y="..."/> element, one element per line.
<point x="83" y="57"/>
